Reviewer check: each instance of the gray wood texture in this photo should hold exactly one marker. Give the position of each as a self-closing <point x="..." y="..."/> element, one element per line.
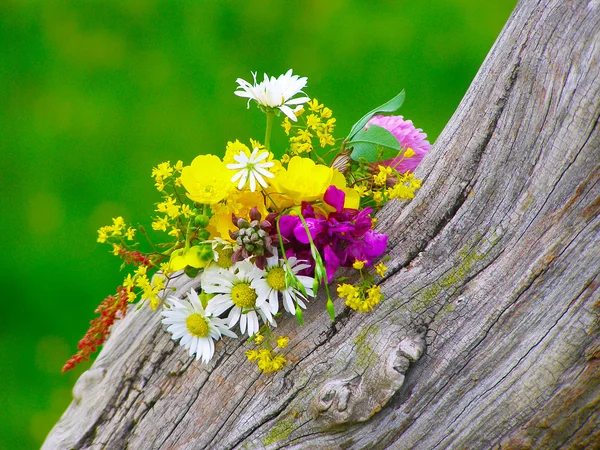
<point x="489" y="334"/>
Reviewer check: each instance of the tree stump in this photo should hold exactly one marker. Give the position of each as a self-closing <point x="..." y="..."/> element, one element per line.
<point x="488" y="337"/>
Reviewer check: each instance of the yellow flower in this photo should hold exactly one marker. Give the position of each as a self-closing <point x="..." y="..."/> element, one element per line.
<point x="352" y="199"/>
<point x="131" y="296"/>
<point x="373" y="298"/>
<point x="325" y="139"/>
<point x="118" y="225"/>
<point x="381" y="269"/>
<point x="117" y="249"/>
<point x="258" y="145"/>
<point x="142" y="281"/>
<point x="347" y="290"/>
<point x="252" y="355"/>
<point x="163" y="170"/>
<point x="207" y="180"/>
<point x="186" y="211"/>
<point x="258" y="338"/>
<point x="169" y="206"/>
<point x="361" y="189"/>
<point x="128" y="282"/>
<point x="401" y="191"/>
<point x="409" y="153"/>
<point x="198" y="256"/>
<point x="282" y="341"/>
<point x="103" y="234"/>
<point x="235" y="148"/>
<point x="314" y="105"/>
<point x="160" y="224"/>
<point x="179" y="166"/>
<point x="381" y="178"/>
<point x="326" y="113"/>
<point x="358" y="265"/>
<point x="130" y="234"/>
<point x="239" y="203"/>
<point x="303" y="181"/>
<point x="287" y="126"/>
<point x="378" y="197"/>
<point x="165" y="268"/>
<point x="267" y="360"/>
<point x="312" y="121"/>
<point x="303" y="136"/>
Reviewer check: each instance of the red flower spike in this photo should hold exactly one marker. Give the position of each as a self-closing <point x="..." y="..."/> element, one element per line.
<point x="111" y="308"/>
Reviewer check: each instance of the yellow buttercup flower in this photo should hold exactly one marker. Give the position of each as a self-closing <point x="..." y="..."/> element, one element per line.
<point x="207" y="180"/>
<point x="239" y="203"/>
<point x="198" y="256"/>
<point x="304" y="180"/>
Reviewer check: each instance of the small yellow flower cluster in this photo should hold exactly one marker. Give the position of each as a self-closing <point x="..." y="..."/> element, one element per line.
<point x="266" y="359"/>
<point x="118" y="229"/>
<point x="386" y="183"/>
<point x="360" y="298"/>
<point x="172" y="211"/>
<point x="381" y="269"/>
<point x="359" y="264"/>
<point x="405" y="187"/>
<point x="380" y="179"/>
<point x="150" y="288"/>
<point x="319" y="122"/>
<point x="164" y="171"/>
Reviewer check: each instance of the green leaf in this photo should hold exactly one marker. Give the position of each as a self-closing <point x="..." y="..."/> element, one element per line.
<point x="389" y="107"/>
<point x="331" y="309"/>
<point x="374" y="144"/>
<point x="299" y="314"/>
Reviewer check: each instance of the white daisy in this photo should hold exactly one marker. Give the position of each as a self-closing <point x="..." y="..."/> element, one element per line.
<point x="251" y="168"/>
<point x="187" y="320"/>
<point x="233" y="289"/>
<point x="273" y="282"/>
<point x="275" y="92"/>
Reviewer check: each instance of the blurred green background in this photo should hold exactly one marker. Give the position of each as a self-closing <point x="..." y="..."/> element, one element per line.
<point x="94" y="94"/>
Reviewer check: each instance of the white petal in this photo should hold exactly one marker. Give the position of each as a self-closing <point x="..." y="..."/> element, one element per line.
<point x="243" y="323"/>
<point x="288" y="112"/>
<point x="252" y="182"/>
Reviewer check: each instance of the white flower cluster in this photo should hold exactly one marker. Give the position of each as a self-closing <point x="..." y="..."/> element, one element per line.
<point x="275" y="93"/>
<point x="243" y="294"/>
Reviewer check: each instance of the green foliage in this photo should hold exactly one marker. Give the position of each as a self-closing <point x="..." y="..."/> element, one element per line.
<point x="388" y="107"/>
<point x="97" y="93"/>
<point x="374" y="144"/>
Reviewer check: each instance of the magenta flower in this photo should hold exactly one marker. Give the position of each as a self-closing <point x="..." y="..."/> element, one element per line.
<point x="344" y="236"/>
<point x="408" y="136"/>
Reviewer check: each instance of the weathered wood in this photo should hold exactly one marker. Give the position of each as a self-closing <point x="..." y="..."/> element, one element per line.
<point x="489" y="334"/>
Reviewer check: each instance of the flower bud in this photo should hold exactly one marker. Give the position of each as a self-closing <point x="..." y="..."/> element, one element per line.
<point x="201" y="221"/>
<point x="203" y="235"/>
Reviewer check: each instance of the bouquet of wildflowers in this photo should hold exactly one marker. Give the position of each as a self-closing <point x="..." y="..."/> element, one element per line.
<point x="263" y="234"/>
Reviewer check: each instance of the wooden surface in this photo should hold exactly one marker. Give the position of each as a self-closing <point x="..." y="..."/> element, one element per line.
<point x="489" y="335"/>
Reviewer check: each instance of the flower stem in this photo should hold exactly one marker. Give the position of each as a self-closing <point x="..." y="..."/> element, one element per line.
<point x="270" y="117"/>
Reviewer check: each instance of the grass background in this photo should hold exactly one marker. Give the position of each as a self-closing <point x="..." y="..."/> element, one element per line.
<point x="94" y="94"/>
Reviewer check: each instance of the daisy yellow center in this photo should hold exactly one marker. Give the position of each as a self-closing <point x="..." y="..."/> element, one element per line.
<point x="225" y="254"/>
<point x="243" y="295"/>
<point x="197" y="325"/>
<point x="276" y="278"/>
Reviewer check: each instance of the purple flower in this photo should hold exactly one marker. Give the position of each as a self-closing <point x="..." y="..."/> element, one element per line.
<point x="342" y="237"/>
<point x="408" y="136"/>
